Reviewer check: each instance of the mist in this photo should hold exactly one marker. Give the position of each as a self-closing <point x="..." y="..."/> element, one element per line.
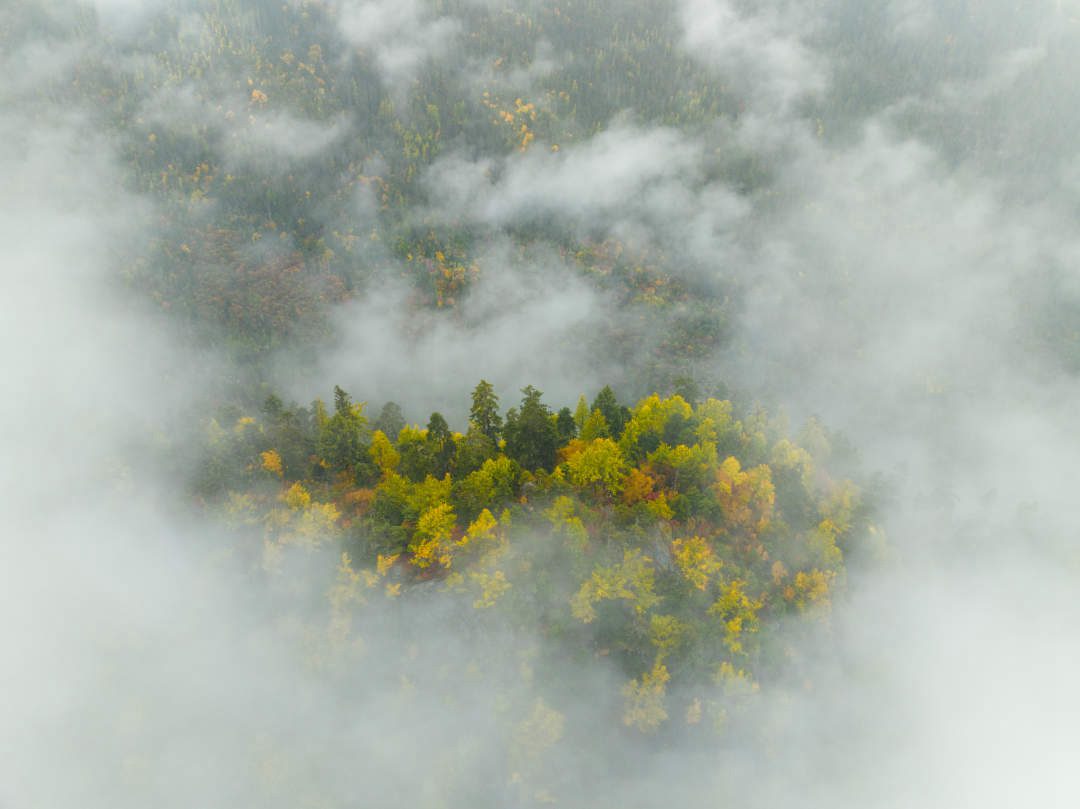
<point x="870" y="221"/>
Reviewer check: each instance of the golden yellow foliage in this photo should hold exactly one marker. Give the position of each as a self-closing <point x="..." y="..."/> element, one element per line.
<point x="296" y="497"/>
<point x="638" y="486"/>
<point x="739" y="614"/>
<point x="384" y="563"/>
<point x="695" y="560"/>
<point x="599" y="464"/>
<point x="243" y="423"/>
<point x="811" y="589"/>
<point x="492" y="587"/>
<point x="431" y="538"/>
<point x="271" y="462"/>
<point x="382" y="452"/>
<point x="631" y="581"/>
<point x="746" y="497"/>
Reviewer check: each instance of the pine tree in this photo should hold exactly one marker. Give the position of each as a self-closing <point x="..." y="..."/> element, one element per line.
<point x="531" y="439"/>
<point x="615" y="414"/>
<point x="484" y="412"/>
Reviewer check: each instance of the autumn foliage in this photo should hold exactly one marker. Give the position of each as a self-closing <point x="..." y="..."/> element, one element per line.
<point x="669" y="546"/>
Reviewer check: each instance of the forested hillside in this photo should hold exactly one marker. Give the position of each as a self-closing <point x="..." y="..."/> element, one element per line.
<point x="458" y="404"/>
<point x="296" y="157"/>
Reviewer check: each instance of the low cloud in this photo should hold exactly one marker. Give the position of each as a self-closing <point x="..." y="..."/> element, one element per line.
<point x="401" y="36"/>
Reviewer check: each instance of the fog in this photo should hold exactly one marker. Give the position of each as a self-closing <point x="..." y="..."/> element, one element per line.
<point x="906" y="272"/>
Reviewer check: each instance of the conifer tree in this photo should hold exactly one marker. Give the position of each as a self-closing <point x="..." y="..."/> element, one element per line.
<point x="484" y="412"/>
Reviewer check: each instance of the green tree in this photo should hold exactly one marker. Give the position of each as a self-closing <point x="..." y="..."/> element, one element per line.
<point x="484" y="412"/>
<point x="530" y="434"/>
<point x="614" y="413"/>
<point x="390" y="420"/>
<point x="472" y="450"/>
<point x="417" y="460"/>
<point x="342" y="441"/>
<point x="565" y="425"/>
<point x="441" y="446"/>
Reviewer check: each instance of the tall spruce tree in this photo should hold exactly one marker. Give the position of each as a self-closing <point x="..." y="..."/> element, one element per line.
<point x="531" y="438"/>
<point x="484" y="412"/>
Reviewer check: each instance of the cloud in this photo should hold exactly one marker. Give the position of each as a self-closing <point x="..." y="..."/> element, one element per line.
<point x="519" y="324"/>
<point x="401" y="36"/>
<point x="643" y="186"/>
<point x="762" y="53"/>
<point x="621" y="169"/>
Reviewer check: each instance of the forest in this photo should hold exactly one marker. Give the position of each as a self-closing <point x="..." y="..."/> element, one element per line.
<point x="459" y="403"/>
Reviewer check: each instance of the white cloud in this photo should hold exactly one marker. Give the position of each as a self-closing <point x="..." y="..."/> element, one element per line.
<point x="401" y="34"/>
<point x="760" y="52"/>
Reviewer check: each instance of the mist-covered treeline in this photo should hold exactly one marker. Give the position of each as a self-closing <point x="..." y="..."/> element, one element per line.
<point x="804" y="242"/>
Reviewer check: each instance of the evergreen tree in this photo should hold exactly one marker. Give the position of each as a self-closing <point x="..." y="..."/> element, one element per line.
<point x="531" y="439"/>
<point x="342" y="440"/>
<point x="472" y="450"/>
<point x="615" y="415"/>
<point x="565" y="426"/>
<point x="390" y="420"/>
<point x="440" y="445"/>
<point x="484" y="412"/>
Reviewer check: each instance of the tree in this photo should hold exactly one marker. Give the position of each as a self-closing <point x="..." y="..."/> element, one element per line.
<point x="472" y="450"/>
<point x="417" y="460"/>
<point x="565" y="425"/>
<point x="581" y="412"/>
<point x="440" y="444"/>
<point x="600" y="466"/>
<point x="342" y="441"/>
<point x="484" y="412"/>
<point x="390" y="420"/>
<point x="687" y="388"/>
<point x="596" y="426"/>
<point x="530" y="434"/>
<point x="615" y="414"/>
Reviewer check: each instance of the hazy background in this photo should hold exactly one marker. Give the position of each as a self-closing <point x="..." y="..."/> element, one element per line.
<point x="911" y="278"/>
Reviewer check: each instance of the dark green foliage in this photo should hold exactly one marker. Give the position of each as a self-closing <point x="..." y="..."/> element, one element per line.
<point x="615" y="414"/>
<point x="686" y="387"/>
<point x="440" y="445"/>
<point x="390" y="420"/>
<point x="531" y="439"/>
<point x="417" y="458"/>
<point x="565" y="426"/>
<point x="472" y="450"/>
